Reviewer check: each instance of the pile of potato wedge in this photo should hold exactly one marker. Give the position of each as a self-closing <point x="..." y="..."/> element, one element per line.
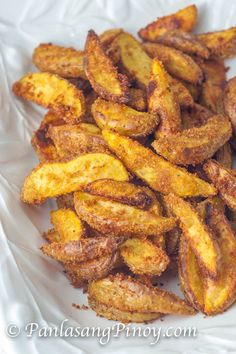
<point x="136" y="147"/>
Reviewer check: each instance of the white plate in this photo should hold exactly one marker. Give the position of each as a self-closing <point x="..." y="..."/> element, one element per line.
<point x="33" y="287"/>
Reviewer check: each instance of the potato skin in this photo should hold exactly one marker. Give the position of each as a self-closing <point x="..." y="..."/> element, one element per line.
<point x="112" y="313"/>
<point x="224" y="180"/>
<point x="128" y="294"/>
<point x="51" y="91"/>
<point x="117" y="219"/>
<point x="123" y="119"/>
<point x="184" y="19"/>
<point x="80" y="273"/>
<point x="123" y="192"/>
<point x="224" y="156"/>
<point x="221" y="44"/>
<point x="185" y="42"/>
<point x="220" y="293"/>
<point x="138" y="99"/>
<point x="158" y="173"/>
<point x="54" y="179"/>
<point x="55" y="59"/>
<point x="101" y="73"/>
<point x="143" y="257"/>
<point x="198" y="234"/>
<point x="212" y="88"/>
<point x="82" y="250"/>
<point x="178" y="64"/>
<point x="72" y="141"/>
<point x="230" y="101"/>
<point x="51" y="236"/>
<point x="195" y="145"/>
<point x="195" y="116"/>
<point x="162" y="101"/>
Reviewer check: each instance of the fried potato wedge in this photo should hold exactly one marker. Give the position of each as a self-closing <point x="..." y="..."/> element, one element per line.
<point x="74" y="140"/>
<point x="53" y="179"/>
<point x="220" y="293"/>
<point x="195" y="90"/>
<point x="224" y="180"/>
<point x="181" y="92"/>
<point x="143" y="257"/>
<point x="55" y="59"/>
<point x="96" y="268"/>
<point x="123" y="119"/>
<point x="108" y="36"/>
<point x="162" y="101"/>
<point x="82" y="250"/>
<point x="190" y="275"/>
<point x="128" y="294"/>
<point x="101" y="73"/>
<point x="224" y="156"/>
<point x="230" y="101"/>
<point x="51" y="91"/>
<point x="185" y="42"/>
<point x="123" y="192"/>
<point x="221" y="44"/>
<point x="112" y="313"/>
<point x="184" y="19"/>
<point x="212" y="88"/>
<point x="195" y="145"/>
<point x="117" y="219"/>
<point x="197" y="233"/>
<point x="178" y="64"/>
<point x="158" y="173"/>
<point x="67" y="224"/>
<point x="138" y="99"/>
<point x="134" y="59"/>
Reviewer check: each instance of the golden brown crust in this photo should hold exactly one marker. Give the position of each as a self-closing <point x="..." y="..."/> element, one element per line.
<point x="53" y="92"/>
<point x="195" y="145"/>
<point x="138" y="99"/>
<point x="123" y="119"/>
<point x="112" y="313"/>
<point x="51" y="236"/>
<point x="116" y="219"/>
<point x="195" y="116"/>
<point x="224" y="156"/>
<point x="128" y="294"/>
<point x="184" y="19"/>
<point x="158" y="173"/>
<point x="54" y="179"/>
<point x="55" y="59"/>
<point x="91" y="269"/>
<point x="185" y="42"/>
<point x="182" y="94"/>
<point x="197" y="233"/>
<point x="221" y="44"/>
<point x="74" y="140"/>
<point x="123" y="192"/>
<point x="101" y="72"/>
<point x="212" y="88"/>
<point x="143" y="257"/>
<point x="82" y="250"/>
<point x="108" y="36"/>
<point x="178" y="64"/>
<point x="230" y="101"/>
<point x="220" y="293"/>
<point x="162" y="101"/>
<point x="224" y="180"/>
